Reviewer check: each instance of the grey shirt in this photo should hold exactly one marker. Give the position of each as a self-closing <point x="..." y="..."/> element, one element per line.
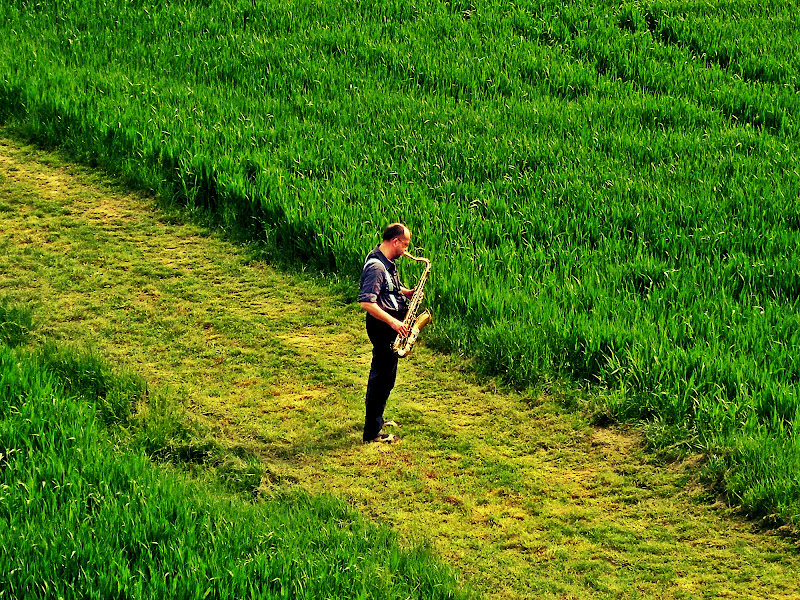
<point x="380" y="284"/>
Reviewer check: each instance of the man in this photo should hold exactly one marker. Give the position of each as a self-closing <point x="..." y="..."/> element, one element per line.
<point x="386" y="303"/>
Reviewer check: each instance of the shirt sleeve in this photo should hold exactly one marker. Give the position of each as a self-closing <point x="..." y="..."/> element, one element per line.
<point x="371" y="282"/>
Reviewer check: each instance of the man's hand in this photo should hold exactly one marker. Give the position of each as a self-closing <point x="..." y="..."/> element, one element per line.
<point x="410" y="293"/>
<point x="400" y="328"/>
<point x="380" y="314"/>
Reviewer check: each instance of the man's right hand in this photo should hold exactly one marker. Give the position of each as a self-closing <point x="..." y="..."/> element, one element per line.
<point x="380" y="314"/>
<point x="400" y="328"/>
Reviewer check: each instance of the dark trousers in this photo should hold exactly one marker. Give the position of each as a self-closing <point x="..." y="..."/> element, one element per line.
<point x="382" y="375"/>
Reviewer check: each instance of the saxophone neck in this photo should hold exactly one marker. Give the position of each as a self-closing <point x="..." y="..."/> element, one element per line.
<point x="417" y="258"/>
<point x="423" y="277"/>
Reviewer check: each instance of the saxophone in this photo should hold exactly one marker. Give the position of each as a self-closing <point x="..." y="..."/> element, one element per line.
<point x="402" y="345"/>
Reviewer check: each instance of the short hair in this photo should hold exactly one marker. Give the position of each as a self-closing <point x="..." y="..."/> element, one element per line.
<point x="394" y="230"/>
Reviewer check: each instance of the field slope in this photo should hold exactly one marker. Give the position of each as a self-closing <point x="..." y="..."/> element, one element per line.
<point x="524" y="500"/>
<point x="617" y="179"/>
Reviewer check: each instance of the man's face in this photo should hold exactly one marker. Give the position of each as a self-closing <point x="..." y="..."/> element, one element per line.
<point x="400" y="244"/>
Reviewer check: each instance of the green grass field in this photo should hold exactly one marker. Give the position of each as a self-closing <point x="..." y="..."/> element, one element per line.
<point x="609" y="191"/>
<point x="254" y="386"/>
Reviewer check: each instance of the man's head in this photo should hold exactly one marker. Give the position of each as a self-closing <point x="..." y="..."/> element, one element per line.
<point x="396" y="238"/>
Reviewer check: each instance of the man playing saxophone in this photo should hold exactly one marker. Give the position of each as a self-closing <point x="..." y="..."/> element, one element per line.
<point x="386" y="302"/>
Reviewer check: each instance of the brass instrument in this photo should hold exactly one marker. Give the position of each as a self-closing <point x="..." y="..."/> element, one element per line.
<point x="402" y="345"/>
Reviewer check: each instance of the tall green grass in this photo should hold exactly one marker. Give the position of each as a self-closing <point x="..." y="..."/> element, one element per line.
<point x="16" y="323"/>
<point x="609" y="191"/>
<point x="79" y="518"/>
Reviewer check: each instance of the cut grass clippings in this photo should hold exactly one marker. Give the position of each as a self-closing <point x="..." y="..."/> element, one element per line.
<point x="524" y="500"/>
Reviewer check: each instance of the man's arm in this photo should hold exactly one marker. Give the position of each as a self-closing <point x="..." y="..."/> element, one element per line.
<point x="380" y="314"/>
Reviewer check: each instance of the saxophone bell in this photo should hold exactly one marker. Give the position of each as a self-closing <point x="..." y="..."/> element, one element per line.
<point x="404" y="349"/>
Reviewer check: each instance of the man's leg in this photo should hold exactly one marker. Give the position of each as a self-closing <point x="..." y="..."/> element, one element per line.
<point x="382" y="376"/>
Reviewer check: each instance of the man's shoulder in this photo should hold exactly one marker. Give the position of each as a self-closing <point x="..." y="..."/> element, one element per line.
<point x="376" y="260"/>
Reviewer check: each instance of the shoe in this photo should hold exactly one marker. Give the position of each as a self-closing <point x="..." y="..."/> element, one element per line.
<point x="390" y="424"/>
<point x="384" y="438"/>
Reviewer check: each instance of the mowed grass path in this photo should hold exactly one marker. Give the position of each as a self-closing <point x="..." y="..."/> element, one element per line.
<point x="526" y="501"/>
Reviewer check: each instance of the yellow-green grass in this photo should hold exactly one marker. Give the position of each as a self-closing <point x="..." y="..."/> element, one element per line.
<point x="82" y="519"/>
